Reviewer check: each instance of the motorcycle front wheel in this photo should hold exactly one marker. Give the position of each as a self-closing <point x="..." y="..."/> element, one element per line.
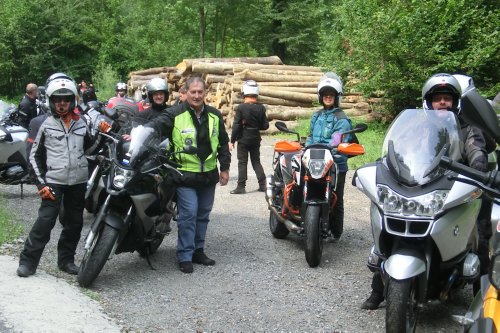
<point x="314" y="241"/>
<point x="401" y="306"/>
<point x="96" y="256"/>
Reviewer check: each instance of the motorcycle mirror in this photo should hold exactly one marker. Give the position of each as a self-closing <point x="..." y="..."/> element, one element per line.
<point x="164" y="144"/>
<point x="281" y="126"/>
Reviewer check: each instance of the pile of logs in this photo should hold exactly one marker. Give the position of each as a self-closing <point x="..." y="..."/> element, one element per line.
<point x="288" y="92"/>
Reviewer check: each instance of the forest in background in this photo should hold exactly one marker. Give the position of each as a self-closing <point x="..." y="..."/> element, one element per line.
<point x="391" y="46"/>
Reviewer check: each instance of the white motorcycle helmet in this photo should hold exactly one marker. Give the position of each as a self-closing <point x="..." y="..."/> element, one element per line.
<point x="442" y="83"/>
<point x="328" y="82"/>
<point x="61" y="87"/>
<point x="466" y="82"/>
<point x="250" y="88"/>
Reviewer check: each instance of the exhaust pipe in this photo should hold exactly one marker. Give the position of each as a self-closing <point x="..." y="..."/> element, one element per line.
<point x="288" y="224"/>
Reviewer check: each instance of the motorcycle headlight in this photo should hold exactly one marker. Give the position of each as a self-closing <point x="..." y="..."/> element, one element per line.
<point x="121" y="177"/>
<point x="495" y="271"/>
<point x="427" y="205"/>
<point x="316" y="168"/>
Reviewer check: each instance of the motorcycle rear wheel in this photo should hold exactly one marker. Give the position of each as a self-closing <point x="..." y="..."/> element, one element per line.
<point x="314" y="241"/>
<point x="401" y="306"/>
<point x="95" y="258"/>
<point x="277" y="228"/>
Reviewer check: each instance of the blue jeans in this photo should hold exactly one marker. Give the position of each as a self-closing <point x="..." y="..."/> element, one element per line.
<point x="194" y="206"/>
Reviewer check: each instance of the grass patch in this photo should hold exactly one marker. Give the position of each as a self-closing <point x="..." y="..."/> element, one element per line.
<point x="9" y="230"/>
<point x="91" y="294"/>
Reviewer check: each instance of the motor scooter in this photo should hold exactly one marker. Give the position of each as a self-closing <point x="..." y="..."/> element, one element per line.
<point x="301" y="191"/>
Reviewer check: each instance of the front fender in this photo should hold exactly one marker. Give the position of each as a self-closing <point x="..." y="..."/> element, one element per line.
<point x="114" y="221"/>
<point x="404" y="265"/>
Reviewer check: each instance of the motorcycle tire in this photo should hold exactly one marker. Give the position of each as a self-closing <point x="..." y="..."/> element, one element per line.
<point x="401" y="306"/>
<point x="314" y="241"/>
<point x="277" y="228"/>
<point x="96" y="256"/>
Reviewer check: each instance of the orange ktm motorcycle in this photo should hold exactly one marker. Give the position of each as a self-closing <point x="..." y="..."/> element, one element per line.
<point x="301" y="191"/>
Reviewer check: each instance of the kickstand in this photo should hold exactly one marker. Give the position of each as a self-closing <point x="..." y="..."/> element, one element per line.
<point x="149" y="261"/>
<point x="22" y="191"/>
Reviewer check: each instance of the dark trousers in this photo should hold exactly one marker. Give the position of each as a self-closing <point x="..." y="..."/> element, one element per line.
<point x="242" y="153"/>
<point x="72" y="198"/>
<point x="484" y="232"/>
<point x="337" y="221"/>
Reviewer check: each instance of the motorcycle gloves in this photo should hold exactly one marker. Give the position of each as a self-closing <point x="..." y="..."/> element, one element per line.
<point x="47" y="193"/>
<point x="104" y="127"/>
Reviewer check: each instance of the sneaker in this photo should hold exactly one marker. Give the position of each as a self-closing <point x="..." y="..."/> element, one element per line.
<point x="186" y="267"/>
<point x="24" y="271"/>
<point x="239" y="190"/>
<point x="373" y="301"/>
<point x="199" y="257"/>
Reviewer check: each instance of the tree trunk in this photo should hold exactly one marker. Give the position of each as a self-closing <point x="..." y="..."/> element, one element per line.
<point x="186" y="64"/>
<point x="258" y="76"/>
<point x="278" y="112"/>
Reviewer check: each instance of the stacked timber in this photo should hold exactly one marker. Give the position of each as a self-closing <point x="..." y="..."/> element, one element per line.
<point x="288" y="92"/>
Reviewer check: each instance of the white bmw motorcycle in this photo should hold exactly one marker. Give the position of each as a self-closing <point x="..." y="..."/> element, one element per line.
<point x="423" y="222"/>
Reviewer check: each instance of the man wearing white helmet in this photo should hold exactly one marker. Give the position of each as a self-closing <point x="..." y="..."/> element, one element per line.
<point x="60" y="170"/>
<point x="250" y="118"/>
<point x="443" y="92"/>
<point x="325" y="127"/>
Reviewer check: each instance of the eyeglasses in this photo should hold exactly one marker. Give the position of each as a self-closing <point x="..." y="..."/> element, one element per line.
<point x="59" y="99"/>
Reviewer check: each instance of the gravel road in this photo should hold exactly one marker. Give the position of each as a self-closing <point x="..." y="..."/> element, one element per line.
<point x="258" y="284"/>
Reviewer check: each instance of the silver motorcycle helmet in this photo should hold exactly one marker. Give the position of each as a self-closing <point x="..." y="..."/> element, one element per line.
<point x="120" y="86"/>
<point x="250" y="88"/>
<point x="156" y="84"/>
<point x="442" y="83"/>
<point x="61" y="87"/>
<point x="330" y="82"/>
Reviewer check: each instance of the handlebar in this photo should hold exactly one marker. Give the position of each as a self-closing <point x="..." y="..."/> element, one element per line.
<point x="489" y="181"/>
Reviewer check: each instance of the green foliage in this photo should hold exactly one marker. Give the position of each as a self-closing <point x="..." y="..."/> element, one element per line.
<point x="104" y="80"/>
<point x="390" y="46"/>
<point x="395" y="46"/>
<point x="8" y="229"/>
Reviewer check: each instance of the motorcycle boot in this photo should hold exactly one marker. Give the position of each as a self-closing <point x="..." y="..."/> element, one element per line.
<point x="262" y="185"/>
<point x="25" y="271"/>
<point x="199" y="257"/>
<point x="239" y="190"/>
<point x="373" y="302"/>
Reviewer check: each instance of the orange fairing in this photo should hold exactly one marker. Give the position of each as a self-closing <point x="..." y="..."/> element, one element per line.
<point x="351" y="149"/>
<point x="287" y="146"/>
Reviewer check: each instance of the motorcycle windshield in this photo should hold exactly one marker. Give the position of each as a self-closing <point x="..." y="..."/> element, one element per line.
<point x="144" y="141"/>
<point x="415" y="142"/>
<point x="5" y="110"/>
